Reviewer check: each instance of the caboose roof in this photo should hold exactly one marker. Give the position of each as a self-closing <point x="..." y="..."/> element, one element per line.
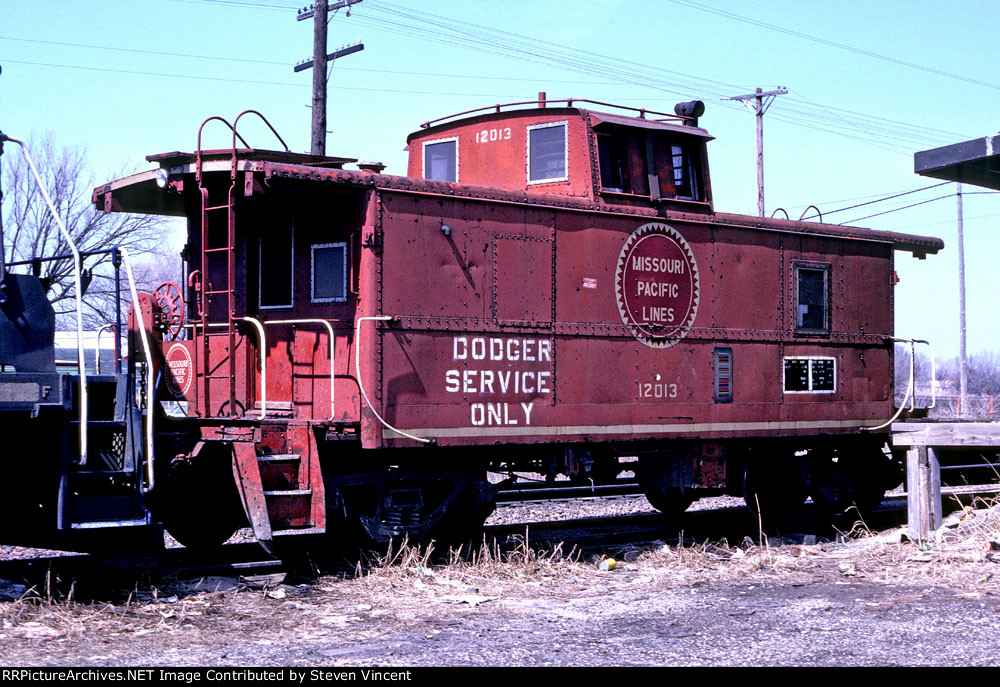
<point x="177" y="157"/>
<point x="598" y="118"/>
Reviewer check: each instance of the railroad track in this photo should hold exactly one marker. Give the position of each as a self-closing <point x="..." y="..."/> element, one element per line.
<point x="87" y="573"/>
<point x="93" y="573"/>
<point x="548" y="492"/>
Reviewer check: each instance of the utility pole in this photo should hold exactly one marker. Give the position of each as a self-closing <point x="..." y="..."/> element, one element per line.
<point x="317" y="143"/>
<point x="963" y="363"/>
<point x="319" y="14"/>
<point x="759" y="102"/>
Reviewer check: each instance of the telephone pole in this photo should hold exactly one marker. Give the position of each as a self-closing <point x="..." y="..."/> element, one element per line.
<point x="319" y="13"/>
<point x="963" y="362"/>
<point x="759" y="102"/>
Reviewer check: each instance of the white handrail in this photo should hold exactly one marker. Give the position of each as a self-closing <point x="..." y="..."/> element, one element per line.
<point x="911" y="386"/>
<point x="263" y="357"/>
<point x="263" y="364"/>
<point x="329" y="329"/>
<point x="357" y="371"/>
<point x="77" y="267"/>
<point x="97" y="347"/>
<point x="149" y="370"/>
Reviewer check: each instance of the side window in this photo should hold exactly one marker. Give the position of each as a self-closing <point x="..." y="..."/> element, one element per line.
<point x="276" y="275"/>
<point x="547" y="153"/>
<point x="441" y="160"/>
<point x="812" y="298"/>
<point x="612" y="150"/>
<point x="329" y="272"/>
<point x="685" y="172"/>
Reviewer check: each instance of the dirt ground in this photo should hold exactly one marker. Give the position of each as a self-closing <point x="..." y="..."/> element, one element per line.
<point x="873" y="600"/>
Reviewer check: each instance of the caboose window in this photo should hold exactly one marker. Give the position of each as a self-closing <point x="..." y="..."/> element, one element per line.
<point x="547" y="153"/>
<point x="612" y="150"/>
<point x="329" y="272"/>
<point x="276" y="268"/>
<point x="811" y="299"/>
<point x="685" y="172"/>
<point x="441" y="160"/>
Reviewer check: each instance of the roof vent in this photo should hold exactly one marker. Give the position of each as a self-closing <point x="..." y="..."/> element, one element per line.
<point x="691" y="109"/>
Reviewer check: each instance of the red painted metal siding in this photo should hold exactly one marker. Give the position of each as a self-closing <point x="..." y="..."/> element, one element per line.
<point x="460" y="299"/>
<point x="492" y="150"/>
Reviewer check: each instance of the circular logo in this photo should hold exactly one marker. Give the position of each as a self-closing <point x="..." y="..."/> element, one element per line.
<point x="181" y="370"/>
<point x="657" y="285"/>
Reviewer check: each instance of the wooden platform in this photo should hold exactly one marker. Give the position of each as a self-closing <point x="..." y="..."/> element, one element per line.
<point x="942" y="434"/>
<point x="923" y="471"/>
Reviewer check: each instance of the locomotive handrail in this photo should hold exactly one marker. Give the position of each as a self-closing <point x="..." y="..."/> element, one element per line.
<point x="361" y="385"/>
<point x="97" y="345"/>
<point x="910" y="387"/>
<point x="329" y="328"/>
<point x="149" y="370"/>
<point x="77" y="269"/>
<point x="569" y="103"/>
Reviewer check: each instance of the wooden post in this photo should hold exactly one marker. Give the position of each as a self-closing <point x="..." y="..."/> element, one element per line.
<point x="318" y="146"/>
<point x="923" y="492"/>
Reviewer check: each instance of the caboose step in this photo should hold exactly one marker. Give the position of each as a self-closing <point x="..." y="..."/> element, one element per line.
<point x="291" y="532"/>
<point x="279" y="471"/>
<point x="279" y="458"/>
<point x="278" y="496"/>
<point x="98" y="524"/>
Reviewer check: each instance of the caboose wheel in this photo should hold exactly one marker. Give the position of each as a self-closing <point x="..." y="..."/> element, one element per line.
<point x="197" y="533"/>
<point x="850" y="477"/>
<point x="773" y="489"/>
<point x="670" y="500"/>
<point x="198" y="503"/>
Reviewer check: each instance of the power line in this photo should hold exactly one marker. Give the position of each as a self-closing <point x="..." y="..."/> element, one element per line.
<point x="880" y="200"/>
<point x="947" y="221"/>
<point x="464" y="34"/>
<point x="833" y="44"/>
<point x="889" y="135"/>
<point x="905" y="207"/>
<point x="251" y="81"/>
<point x="285" y="64"/>
<point x="892" y="136"/>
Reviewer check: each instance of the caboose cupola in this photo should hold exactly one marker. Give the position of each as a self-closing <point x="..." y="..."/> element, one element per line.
<point x="640" y="158"/>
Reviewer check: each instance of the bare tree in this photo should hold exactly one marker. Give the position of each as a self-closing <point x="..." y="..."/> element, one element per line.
<point x="31" y="232"/>
<point x="984" y="372"/>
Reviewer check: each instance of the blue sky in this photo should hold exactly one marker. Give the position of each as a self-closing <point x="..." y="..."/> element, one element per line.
<point x="869" y="84"/>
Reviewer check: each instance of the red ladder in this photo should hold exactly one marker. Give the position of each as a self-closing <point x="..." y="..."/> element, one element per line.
<point x="211" y="244"/>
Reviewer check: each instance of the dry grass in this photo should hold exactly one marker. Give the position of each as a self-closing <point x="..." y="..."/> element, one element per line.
<point x="411" y="581"/>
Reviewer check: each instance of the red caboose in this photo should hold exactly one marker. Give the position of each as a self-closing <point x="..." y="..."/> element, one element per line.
<point x="549" y="289"/>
